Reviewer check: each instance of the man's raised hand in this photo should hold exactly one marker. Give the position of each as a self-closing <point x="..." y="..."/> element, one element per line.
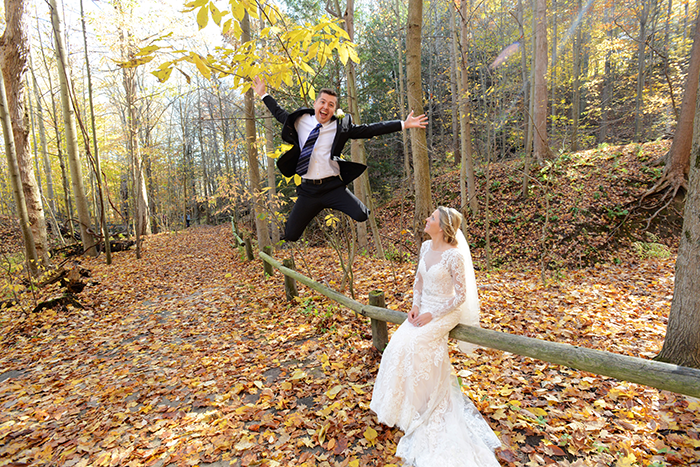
<point x="259" y="86"/>
<point x="420" y="121"/>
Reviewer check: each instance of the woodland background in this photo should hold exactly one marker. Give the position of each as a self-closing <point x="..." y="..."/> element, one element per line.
<point x="181" y="352"/>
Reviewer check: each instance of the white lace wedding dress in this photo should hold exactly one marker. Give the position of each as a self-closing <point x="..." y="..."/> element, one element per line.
<point x="415" y="388"/>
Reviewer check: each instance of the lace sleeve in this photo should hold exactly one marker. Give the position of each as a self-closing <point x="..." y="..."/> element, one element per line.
<point x="418" y="281"/>
<point x="455" y="264"/>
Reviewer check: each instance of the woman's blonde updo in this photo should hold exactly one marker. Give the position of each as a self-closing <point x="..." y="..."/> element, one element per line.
<point x="450" y="222"/>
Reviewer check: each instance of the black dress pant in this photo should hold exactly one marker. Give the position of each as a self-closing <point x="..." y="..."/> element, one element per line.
<point x="313" y="198"/>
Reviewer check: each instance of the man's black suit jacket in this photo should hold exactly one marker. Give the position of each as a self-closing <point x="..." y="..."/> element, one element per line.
<point x="349" y="171"/>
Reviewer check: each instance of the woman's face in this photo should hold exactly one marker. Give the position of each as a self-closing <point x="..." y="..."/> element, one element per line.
<point x="432" y="224"/>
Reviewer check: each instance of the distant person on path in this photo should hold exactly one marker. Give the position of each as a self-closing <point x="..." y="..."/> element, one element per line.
<point x="415" y="388"/>
<point x="318" y="138"/>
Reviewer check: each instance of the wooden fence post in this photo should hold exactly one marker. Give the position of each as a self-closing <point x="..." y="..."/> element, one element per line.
<point x="267" y="267"/>
<point x="290" y="284"/>
<point x="380" y="333"/>
<point x="249" y="249"/>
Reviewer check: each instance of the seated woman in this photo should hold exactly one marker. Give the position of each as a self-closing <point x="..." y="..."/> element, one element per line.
<point x="415" y="388"/>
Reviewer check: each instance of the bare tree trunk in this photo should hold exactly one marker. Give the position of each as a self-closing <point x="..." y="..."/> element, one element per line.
<point x="142" y="223"/>
<point x="682" y="342"/>
<point x="102" y="205"/>
<point x="357" y="147"/>
<point x="402" y="110"/>
<point x="421" y="164"/>
<point x="607" y="83"/>
<point x="251" y="135"/>
<point x="467" y="176"/>
<point x="641" y="49"/>
<point x="76" y="170"/>
<point x="541" y="141"/>
<point x="576" y="105"/>
<point x="678" y="157"/>
<point x="50" y="195"/>
<point x="271" y="177"/>
<point x="553" y="69"/>
<point x="678" y="160"/>
<point x="29" y="248"/>
<point x="59" y="148"/>
<point x="14" y="47"/>
<point x="529" y="93"/>
<point x="455" y="76"/>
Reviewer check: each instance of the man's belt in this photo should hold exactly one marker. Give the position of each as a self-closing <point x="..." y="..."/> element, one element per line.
<point x="318" y="181"/>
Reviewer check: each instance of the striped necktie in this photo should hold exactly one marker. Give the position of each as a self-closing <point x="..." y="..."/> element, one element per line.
<point x="305" y="156"/>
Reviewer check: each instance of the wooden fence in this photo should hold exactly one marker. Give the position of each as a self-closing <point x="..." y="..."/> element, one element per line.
<point x="679" y="379"/>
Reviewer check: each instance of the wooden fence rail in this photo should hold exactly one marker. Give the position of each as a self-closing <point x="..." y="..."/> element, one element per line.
<point x="679" y="379"/>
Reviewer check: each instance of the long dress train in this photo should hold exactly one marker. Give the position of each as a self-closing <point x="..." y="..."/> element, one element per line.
<point x="415" y="388"/>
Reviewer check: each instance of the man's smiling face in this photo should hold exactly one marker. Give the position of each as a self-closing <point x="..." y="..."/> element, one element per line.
<point x="324" y="107"/>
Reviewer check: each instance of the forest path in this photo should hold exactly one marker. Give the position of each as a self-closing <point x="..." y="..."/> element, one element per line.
<point x="177" y="360"/>
<point x="191" y="356"/>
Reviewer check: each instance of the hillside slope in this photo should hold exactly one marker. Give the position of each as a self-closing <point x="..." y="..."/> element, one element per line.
<point x="580" y="210"/>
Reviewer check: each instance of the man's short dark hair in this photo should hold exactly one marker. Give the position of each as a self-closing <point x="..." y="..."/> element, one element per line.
<point x="328" y="91"/>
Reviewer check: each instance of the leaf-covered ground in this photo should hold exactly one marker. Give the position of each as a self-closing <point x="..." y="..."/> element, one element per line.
<point x="191" y="356"/>
<point x="592" y="198"/>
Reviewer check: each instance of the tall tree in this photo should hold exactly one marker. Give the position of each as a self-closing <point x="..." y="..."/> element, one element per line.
<point x="102" y="205"/>
<point x="678" y="157"/>
<point x="454" y="77"/>
<point x="467" y="177"/>
<point x="29" y="248"/>
<point x="682" y="341"/>
<point x="421" y="164"/>
<point x="357" y="146"/>
<point x="142" y="223"/>
<point x="256" y="192"/>
<point x="76" y="170"/>
<point x="14" y="47"/>
<point x="576" y="99"/>
<point x="642" y="17"/>
<point x="541" y="141"/>
<point x="606" y="97"/>
<point x="50" y="195"/>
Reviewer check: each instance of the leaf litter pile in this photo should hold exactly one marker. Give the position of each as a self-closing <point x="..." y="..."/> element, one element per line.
<point x="191" y="356"/>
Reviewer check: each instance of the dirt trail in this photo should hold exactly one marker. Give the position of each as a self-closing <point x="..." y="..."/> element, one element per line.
<point x="175" y="361"/>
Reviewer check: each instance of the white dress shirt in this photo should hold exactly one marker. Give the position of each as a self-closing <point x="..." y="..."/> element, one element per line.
<point x="320" y="164"/>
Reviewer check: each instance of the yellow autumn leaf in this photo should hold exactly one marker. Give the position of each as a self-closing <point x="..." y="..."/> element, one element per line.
<point x="354" y="463"/>
<point x="201" y="66"/>
<point x="538" y="411"/>
<point x="627" y="461"/>
<point x="370" y="435"/>
<point x="203" y="17"/>
<point x="343" y="54"/>
<point x="215" y="13"/>
<point x="331" y="393"/>
<point x="353" y="54"/>
<point x="238" y="10"/>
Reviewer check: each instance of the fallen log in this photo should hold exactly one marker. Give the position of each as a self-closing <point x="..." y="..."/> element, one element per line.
<point x="61" y="301"/>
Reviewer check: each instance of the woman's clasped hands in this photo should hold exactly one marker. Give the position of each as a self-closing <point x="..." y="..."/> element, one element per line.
<point x="417" y="319"/>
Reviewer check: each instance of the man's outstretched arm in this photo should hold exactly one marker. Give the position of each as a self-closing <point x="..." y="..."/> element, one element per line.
<point x="261" y="90"/>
